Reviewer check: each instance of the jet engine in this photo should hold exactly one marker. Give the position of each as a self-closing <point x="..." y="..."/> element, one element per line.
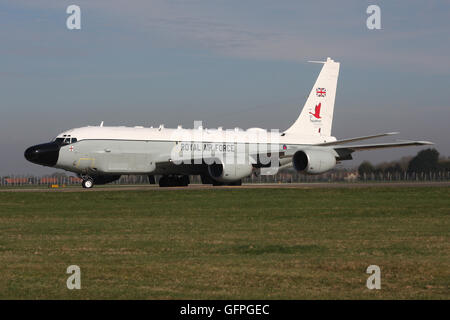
<point x="314" y="161"/>
<point x="229" y="172"/>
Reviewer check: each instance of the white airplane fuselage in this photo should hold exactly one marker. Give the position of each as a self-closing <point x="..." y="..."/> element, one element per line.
<point x="137" y="150"/>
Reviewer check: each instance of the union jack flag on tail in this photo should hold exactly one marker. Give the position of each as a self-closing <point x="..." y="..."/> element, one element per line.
<point x="321" y="92"/>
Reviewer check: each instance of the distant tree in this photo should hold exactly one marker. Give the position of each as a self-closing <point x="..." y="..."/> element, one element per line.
<point x="425" y="161"/>
<point x="388" y="167"/>
<point x="404" y="162"/>
<point x="365" y="168"/>
<point x="444" y="165"/>
<point x="396" y="167"/>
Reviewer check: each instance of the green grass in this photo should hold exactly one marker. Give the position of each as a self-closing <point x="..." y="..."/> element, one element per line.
<point x="227" y="243"/>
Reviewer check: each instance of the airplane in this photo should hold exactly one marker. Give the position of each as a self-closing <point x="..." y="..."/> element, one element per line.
<point x="101" y="154"/>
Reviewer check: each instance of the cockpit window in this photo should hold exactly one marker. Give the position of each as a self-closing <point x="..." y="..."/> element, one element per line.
<point x="65" y="141"/>
<point x="60" y="141"/>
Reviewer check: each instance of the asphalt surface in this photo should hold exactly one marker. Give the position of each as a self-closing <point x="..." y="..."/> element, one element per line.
<point x="245" y="186"/>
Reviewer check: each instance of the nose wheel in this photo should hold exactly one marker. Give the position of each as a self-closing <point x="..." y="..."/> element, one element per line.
<point x="87" y="183"/>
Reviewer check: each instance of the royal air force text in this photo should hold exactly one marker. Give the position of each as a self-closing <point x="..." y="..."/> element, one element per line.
<point x="208" y="147"/>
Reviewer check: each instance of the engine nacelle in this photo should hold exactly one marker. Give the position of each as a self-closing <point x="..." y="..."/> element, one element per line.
<point x="229" y="172"/>
<point x="313" y="161"/>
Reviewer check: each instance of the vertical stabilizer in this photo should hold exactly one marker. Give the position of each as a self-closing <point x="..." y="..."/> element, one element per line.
<point x="316" y="117"/>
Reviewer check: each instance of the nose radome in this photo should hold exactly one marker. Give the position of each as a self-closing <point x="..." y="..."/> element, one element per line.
<point x="29" y="153"/>
<point x="44" y="154"/>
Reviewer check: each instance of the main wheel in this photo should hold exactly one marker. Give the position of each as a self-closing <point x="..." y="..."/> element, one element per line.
<point x="236" y="183"/>
<point x="163" y="181"/>
<point x="87" y="183"/>
<point x="174" y="181"/>
<point x="184" y="181"/>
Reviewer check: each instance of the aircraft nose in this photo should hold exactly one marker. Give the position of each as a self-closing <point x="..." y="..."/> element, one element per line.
<point x="46" y="154"/>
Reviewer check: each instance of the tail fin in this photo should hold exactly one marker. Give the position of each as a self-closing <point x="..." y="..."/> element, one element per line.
<point x="316" y="118"/>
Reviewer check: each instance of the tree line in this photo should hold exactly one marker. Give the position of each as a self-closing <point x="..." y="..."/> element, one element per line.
<point x="426" y="161"/>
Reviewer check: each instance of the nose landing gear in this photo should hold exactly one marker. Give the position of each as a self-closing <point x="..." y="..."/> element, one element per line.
<point x="87" y="183"/>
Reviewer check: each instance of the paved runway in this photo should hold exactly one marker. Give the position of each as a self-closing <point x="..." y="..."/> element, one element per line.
<point x="245" y="186"/>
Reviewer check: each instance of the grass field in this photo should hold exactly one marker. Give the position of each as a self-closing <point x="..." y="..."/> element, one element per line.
<point x="227" y="243"/>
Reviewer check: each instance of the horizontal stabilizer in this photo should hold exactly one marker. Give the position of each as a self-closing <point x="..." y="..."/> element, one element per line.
<point x="333" y="143"/>
<point x="383" y="145"/>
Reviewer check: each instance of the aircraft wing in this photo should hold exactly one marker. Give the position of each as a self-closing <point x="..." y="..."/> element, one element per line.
<point x="344" y="152"/>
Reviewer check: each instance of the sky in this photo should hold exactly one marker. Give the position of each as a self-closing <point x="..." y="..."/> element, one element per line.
<point x="227" y="63"/>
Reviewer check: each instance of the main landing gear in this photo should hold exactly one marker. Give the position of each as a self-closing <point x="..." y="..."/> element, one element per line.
<point x="174" y="181"/>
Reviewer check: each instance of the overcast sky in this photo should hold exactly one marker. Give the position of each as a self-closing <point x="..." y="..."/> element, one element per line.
<point x="227" y="63"/>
